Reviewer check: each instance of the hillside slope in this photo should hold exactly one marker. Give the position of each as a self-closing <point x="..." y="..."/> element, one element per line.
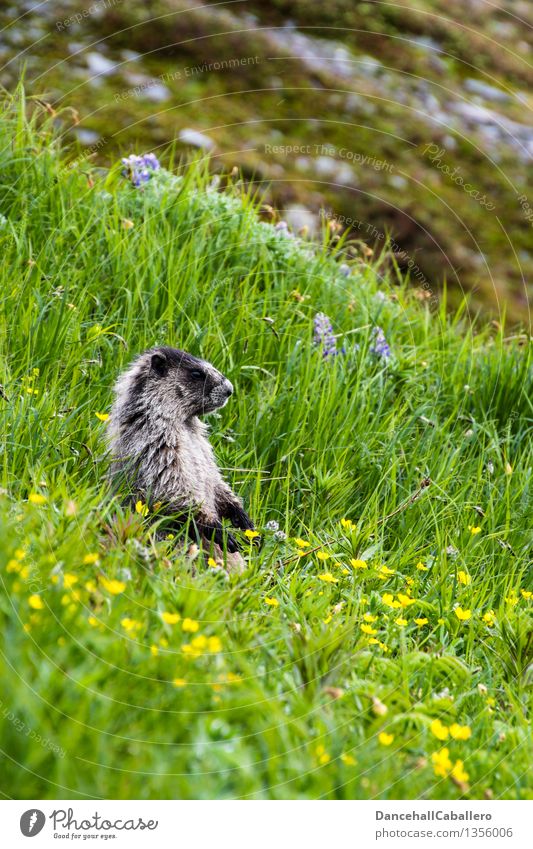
<point x="379" y="643"/>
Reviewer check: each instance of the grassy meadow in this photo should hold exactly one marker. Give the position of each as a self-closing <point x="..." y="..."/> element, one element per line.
<point x="379" y="643"/>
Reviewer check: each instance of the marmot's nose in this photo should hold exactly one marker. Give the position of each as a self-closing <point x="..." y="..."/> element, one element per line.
<point x="228" y="388"/>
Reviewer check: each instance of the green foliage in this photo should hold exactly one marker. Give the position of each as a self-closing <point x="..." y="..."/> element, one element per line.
<point x="276" y="683"/>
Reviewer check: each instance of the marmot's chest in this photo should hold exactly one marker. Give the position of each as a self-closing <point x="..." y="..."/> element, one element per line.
<point x="188" y="471"/>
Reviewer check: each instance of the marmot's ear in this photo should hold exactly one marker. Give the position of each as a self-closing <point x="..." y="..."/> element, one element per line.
<point x="159" y="364"/>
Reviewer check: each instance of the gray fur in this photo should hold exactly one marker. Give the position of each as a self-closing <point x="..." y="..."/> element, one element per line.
<point x="160" y="447"/>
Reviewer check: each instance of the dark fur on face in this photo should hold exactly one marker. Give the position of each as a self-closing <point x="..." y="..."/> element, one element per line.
<point x="160" y="446"/>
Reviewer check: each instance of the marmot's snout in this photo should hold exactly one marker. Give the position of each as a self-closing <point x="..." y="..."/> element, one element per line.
<point x="220" y="394"/>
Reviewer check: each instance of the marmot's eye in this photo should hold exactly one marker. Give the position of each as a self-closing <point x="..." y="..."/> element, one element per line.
<point x="196" y="374"/>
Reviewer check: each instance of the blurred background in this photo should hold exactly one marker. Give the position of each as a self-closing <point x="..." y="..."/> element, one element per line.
<point x="408" y="125"/>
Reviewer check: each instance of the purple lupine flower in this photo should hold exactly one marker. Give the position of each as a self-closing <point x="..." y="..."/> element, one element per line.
<point x="139" y="169"/>
<point x="323" y="336"/>
<point x="380" y="347"/>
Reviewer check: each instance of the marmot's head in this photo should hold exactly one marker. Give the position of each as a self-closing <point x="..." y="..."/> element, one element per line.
<point x="172" y="384"/>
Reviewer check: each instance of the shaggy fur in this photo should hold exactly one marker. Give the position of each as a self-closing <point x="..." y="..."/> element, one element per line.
<point x="160" y="447"/>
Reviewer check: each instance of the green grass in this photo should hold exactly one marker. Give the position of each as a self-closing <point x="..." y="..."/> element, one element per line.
<point x="275" y="700"/>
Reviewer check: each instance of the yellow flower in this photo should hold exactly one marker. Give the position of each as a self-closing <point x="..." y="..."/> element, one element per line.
<point x="385" y="739"/>
<point x="421" y="621"/>
<point x="35" y="601"/>
<point x="328" y="578"/>
<point x="489" y="618"/>
<point x="13" y="566"/>
<point x="526" y="594"/>
<point x="214" y="644"/>
<point x="368" y="629"/>
<point x="328" y="619"/>
<point x="512" y="598"/>
<point x="388" y="599"/>
<point x="90" y="586"/>
<point x="439" y="730"/>
<point x="384" y="570"/>
<point x="93" y="621"/>
<point x="130" y="625"/>
<point x="212" y="562"/>
<point x="401" y="622"/>
<point x="464" y="578"/>
<point x="440" y="621"/>
<point x="273" y="602"/>
<point x="69" y="580"/>
<point x="474" y="530"/>
<point x="190" y="625"/>
<point x="37" y="498"/>
<point x="345" y="571"/>
<point x="251" y="534"/>
<point x="102" y="416"/>
<point x="179" y="682"/>
<point x="348" y="760"/>
<point x="170" y="618"/>
<point x="421" y="567"/>
<point x="460" y="732"/>
<point x="20" y="554"/>
<point x="90" y="558"/>
<point x="112" y="586"/>
<point x="405" y="600"/>
<point x="199" y="643"/>
<point x="461" y="614"/>
<point x="441" y="762"/>
<point x="369" y="618"/>
<point x="323" y="555"/>
<point x="301" y="543"/>
<point x="358" y="564"/>
<point x="142" y="508"/>
<point x="154" y="650"/>
<point x="322" y="755"/>
<point x="347" y="524"/>
<point x="459" y="773"/>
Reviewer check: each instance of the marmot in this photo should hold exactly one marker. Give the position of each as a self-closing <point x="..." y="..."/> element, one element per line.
<point x="159" y="446"/>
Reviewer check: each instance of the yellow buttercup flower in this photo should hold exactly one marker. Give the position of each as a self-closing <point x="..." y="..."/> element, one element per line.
<point x="526" y="594"/>
<point x="251" y="534"/>
<point x="460" y="732"/>
<point x="347" y="524"/>
<point x="112" y="586"/>
<point x="384" y="570"/>
<point x="405" y="600"/>
<point x="439" y="730"/>
<point x="458" y="772"/>
<point x="323" y="555"/>
<point x="421" y="621"/>
<point x="369" y="618"/>
<point x="103" y="417"/>
<point x="130" y="625"/>
<point x="35" y="601"/>
<point x="90" y="558"/>
<point x="464" y="578"/>
<point x="190" y="625"/>
<point x="170" y="618"/>
<point x="367" y="629"/>
<point x="463" y="615"/>
<point x="401" y="622"/>
<point x="179" y="682"/>
<point x="322" y="755"/>
<point x="214" y="644"/>
<point x="388" y="599"/>
<point x="212" y="562"/>
<point x="272" y="602"/>
<point x="421" y="568"/>
<point x="441" y="762"/>
<point x="154" y="650"/>
<point x="37" y="498"/>
<point x="328" y="578"/>
<point x="474" y="530"/>
<point x="489" y="618"/>
<point x="348" y="760"/>
<point x="302" y="543"/>
<point x="385" y="739"/>
<point x="69" y="580"/>
<point x="358" y="564"/>
<point x="142" y="508"/>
